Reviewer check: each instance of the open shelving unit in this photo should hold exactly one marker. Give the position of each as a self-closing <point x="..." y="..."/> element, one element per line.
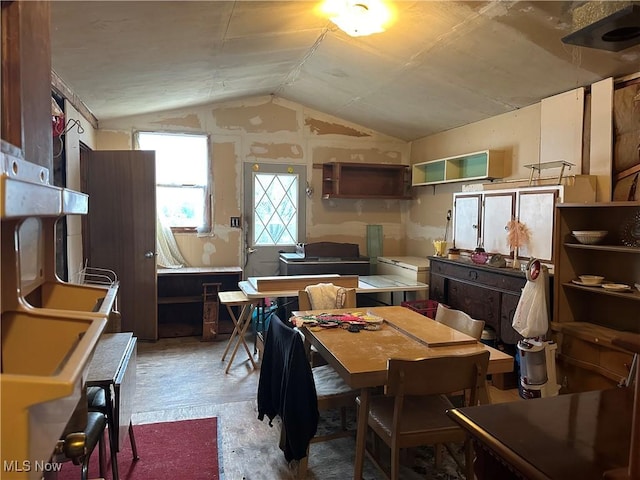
<point x="586" y="318"/>
<point x="482" y="165"/>
<point x="365" y="180"/>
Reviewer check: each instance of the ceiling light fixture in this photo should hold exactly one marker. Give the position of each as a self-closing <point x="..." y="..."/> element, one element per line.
<point x="358" y="17"/>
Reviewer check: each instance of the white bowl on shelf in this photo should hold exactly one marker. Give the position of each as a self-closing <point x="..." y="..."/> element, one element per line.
<point x="591" y="279"/>
<point x="589" y="237"/>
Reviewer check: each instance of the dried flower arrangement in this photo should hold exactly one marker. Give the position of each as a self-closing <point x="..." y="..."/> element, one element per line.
<point x="518" y="234"/>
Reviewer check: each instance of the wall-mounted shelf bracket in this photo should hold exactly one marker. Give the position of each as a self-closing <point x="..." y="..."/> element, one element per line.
<point x="546" y="165"/>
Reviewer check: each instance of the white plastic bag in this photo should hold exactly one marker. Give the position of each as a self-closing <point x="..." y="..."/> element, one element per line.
<point x="531" y="318"/>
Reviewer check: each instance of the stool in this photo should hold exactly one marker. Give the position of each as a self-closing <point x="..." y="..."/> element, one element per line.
<point x="78" y="446"/>
<point x="241" y="322"/>
<point x="97" y="400"/>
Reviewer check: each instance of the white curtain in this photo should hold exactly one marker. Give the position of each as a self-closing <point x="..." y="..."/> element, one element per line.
<point x="169" y="255"/>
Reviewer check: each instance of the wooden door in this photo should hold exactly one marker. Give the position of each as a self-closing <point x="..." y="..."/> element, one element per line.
<point x="120" y="230"/>
<point x="268" y="209"/>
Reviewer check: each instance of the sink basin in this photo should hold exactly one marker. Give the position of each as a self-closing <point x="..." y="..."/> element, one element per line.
<point x="45" y="355"/>
<point x="88" y="299"/>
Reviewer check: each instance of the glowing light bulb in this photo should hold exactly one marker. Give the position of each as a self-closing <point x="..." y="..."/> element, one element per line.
<point x="358" y="17"/>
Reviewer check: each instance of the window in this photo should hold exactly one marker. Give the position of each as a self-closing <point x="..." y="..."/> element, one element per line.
<point x="275" y="204"/>
<point x="183" y="173"/>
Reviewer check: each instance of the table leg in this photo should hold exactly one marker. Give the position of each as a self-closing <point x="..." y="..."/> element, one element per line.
<point x="235" y="329"/>
<point x="361" y="433"/>
<point x="484" y="397"/>
<point x="243" y="323"/>
<point x="113" y="433"/>
<point x="260" y="318"/>
<point x="243" y="333"/>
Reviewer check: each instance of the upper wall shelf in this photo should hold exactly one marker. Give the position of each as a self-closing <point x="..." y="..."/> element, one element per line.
<point x="365" y="180"/>
<point x="483" y="165"/>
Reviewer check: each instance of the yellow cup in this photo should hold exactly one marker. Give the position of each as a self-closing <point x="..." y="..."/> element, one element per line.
<point x="440" y="246"/>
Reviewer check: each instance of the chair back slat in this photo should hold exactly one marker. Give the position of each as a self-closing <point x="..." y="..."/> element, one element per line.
<point x="347" y="300"/>
<point x="437" y="375"/>
<point x="460" y="321"/>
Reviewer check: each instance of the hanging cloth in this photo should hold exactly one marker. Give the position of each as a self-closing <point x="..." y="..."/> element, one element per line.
<point x="531" y="318"/>
<point x="169" y="255"/>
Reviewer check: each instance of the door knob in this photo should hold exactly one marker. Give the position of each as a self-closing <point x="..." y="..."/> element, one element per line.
<point x="149" y="254"/>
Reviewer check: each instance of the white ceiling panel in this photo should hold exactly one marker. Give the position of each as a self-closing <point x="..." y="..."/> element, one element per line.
<point x="442" y="64"/>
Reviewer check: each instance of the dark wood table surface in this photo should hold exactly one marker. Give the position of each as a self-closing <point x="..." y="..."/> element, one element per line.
<point x="578" y="435"/>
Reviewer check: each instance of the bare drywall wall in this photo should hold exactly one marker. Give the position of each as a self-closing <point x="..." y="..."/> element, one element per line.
<point x="267" y="117"/>
<point x="320" y="127"/>
<point x="275" y="131"/>
<point x="517" y="134"/>
<point x="113" y="140"/>
<point x="264" y="150"/>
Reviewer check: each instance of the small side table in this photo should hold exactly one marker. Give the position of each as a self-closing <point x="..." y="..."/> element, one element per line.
<point x="241" y="322"/>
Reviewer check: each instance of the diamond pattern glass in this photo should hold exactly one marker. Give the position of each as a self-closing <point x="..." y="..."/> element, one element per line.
<point x="276" y="209"/>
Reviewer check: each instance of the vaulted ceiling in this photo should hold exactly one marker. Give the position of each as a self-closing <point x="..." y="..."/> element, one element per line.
<point x="442" y="64"/>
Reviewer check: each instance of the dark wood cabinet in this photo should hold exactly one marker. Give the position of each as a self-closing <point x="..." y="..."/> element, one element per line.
<point x="365" y="180"/>
<point x="484" y="292"/>
<point x="180" y="299"/>
<point x="508" y="305"/>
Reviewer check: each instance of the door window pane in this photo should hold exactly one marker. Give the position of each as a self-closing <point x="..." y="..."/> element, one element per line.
<point x="275" y="206"/>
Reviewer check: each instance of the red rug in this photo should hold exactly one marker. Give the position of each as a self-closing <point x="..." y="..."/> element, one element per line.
<point x="169" y="450"/>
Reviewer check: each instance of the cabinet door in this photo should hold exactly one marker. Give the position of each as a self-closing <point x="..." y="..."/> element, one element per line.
<point x="477" y="301"/>
<point x="536" y="210"/>
<point x="498" y="210"/>
<point x="507" y="311"/>
<point x="437" y="288"/>
<point x="466" y="221"/>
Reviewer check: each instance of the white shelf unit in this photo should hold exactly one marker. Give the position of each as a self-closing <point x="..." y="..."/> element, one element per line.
<point x="483" y="165"/>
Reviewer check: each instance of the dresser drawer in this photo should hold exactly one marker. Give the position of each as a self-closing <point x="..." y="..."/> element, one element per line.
<point x="501" y="280"/>
<point x="612" y="363"/>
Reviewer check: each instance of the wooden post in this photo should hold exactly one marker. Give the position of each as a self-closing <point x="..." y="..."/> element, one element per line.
<point x="210" y="311"/>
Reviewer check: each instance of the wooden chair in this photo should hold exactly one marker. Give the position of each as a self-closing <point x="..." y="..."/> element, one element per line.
<point x="287" y="380"/>
<point x="413" y="410"/>
<point x="460" y="321"/>
<point x="345" y="298"/>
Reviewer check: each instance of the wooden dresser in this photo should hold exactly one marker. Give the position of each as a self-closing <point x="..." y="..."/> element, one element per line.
<point x="486" y="293"/>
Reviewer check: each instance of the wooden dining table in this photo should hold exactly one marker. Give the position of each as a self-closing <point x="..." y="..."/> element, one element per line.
<point x="361" y="358"/>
